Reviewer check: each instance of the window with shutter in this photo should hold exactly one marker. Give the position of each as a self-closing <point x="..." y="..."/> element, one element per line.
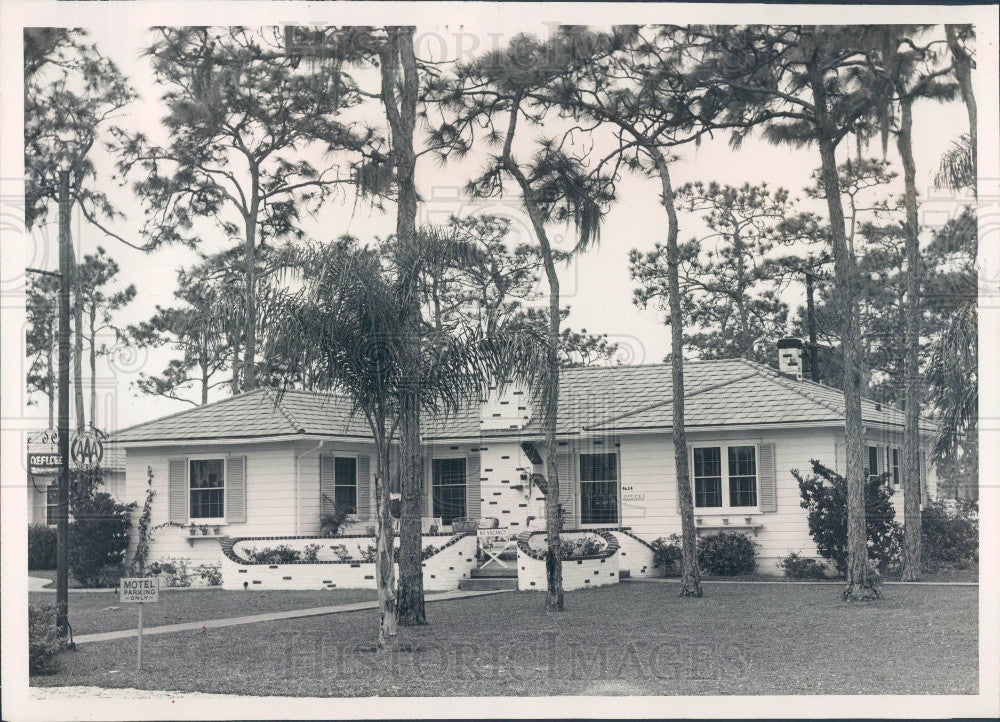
<point x="450" y="490"/>
<point x="725" y="477"/>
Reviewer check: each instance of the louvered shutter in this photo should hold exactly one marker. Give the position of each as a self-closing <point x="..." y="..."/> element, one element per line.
<point x="326" y="482"/>
<point x="840" y="458"/>
<point x="922" y="473"/>
<point x="177" y="493"/>
<point x="236" y="489"/>
<point x="474" y="485"/>
<point x="768" y="478"/>
<point x="566" y="471"/>
<point x="364" y="488"/>
<point x="880" y="452"/>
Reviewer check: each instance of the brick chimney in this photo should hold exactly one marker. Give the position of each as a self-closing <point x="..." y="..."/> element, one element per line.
<point x="790" y="357"/>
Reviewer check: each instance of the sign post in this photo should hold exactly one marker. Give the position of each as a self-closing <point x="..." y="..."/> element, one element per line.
<point x="139" y="590"/>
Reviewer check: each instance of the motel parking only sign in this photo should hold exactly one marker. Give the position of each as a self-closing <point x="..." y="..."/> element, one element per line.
<point x="137" y="590"/>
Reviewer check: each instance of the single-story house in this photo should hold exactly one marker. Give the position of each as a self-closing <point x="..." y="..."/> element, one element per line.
<point x="259" y="469"/>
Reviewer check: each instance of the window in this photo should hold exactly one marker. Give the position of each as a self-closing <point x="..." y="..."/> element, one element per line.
<point x="894" y="456"/>
<point x="737" y="464"/>
<point x="345" y="484"/>
<point x="52" y="505"/>
<point x="742" y="476"/>
<point x="449" y="489"/>
<point x="599" y="488"/>
<point x="208" y="488"/>
<point x="872" y="469"/>
<point x="708" y="477"/>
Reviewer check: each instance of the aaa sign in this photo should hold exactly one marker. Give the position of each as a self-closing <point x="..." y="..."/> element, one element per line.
<point x="135" y="590"/>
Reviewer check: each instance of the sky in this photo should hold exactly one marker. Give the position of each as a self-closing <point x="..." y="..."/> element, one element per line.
<point x="596" y="284"/>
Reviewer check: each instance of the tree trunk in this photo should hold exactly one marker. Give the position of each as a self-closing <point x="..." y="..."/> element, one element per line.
<point x="860" y="584"/>
<point x="911" y="432"/>
<point x="250" y="301"/>
<point x="550" y="405"/>
<point x="234" y="382"/>
<point x="385" y="578"/>
<point x="204" y="381"/>
<point x="398" y="66"/>
<point x="93" y="368"/>
<point x="690" y="574"/>
<point x="963" y="73"/>
<point x="410" y="610"/>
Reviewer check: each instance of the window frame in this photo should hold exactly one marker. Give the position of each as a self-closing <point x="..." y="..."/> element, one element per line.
<point x="52" y="508"/>
<point x="894" y="464"/>
<point x="724" y="447"/>
<point x="431" y="486"/>
<point x="213" y="520"/>
<point x="580" y="482"/>
<point x="357" y="481"/>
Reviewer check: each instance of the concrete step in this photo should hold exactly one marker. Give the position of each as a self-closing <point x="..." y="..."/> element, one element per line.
<point x="493" y="572"/>
<point x="484" y="584"/>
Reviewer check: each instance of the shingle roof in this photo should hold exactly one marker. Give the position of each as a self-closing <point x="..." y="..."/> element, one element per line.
<point x="592" y="398"/>
<point x="256" y="414"/>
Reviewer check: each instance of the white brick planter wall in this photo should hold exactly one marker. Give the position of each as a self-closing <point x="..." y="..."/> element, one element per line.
<point x="442" y="571"/>
<point x="592" y="571"/>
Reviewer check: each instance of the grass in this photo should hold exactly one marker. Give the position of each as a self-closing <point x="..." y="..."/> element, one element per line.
<point x="628" y="639"/>
<point x="101" y="612"/>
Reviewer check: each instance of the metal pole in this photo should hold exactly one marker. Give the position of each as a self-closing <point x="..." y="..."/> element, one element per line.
<point x="62" y="521"/>
<point x="811" y="321"/>
<point x="138" y="661"/>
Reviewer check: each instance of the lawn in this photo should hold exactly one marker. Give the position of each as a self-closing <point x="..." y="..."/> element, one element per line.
<point x="629" y="639"/>
<point x="101" y="612"/>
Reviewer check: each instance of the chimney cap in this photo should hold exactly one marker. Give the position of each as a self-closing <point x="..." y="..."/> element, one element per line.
<point x="790" y="342"/>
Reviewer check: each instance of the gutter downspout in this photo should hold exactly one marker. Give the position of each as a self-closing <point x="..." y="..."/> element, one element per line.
<point x="295" y="480"/>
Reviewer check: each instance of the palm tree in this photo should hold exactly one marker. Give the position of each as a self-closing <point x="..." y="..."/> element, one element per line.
<point x="346" y="329"/>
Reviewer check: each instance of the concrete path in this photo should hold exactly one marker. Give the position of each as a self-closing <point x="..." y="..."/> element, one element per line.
<point x="268" y="617"/>
<point x="38" y="584"/>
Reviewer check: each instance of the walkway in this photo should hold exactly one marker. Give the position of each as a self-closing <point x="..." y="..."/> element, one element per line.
<point x="810" y="582"/>
<point x="268" y="617"/>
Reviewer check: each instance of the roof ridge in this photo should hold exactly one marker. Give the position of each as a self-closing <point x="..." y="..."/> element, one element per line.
<point x="649" y="407"/>
<point x="772" y="375"/>
<point x="289" y="416"/>
<point x="183" y="412"/>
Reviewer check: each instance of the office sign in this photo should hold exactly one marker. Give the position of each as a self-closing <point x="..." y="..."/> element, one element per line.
<point x="44" y="463"/>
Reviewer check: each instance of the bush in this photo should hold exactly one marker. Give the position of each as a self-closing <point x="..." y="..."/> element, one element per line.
<point x="667" y="555"/>
<point x="582" y="547"/>
<point x="281" y="554"/>
<point x="99" y="538"/>
<point x="211" y="574"/>
<point x="799" y="567"/>
<point x="174" y="572"/>
<point x="41" y="547"/>
<point x="331" y="523"/>
<point x="727" y="554"/>
<point x="824" y="495"/>
<point x="43" y="640"/>
<point x="949" y="535"/>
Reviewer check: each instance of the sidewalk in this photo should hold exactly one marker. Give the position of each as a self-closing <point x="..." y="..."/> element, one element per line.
<point x="811" y="582"/>
<point x="268" y="617"/>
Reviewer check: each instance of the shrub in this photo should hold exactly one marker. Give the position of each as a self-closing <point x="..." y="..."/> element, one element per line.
<point x="824" y="495"/>
<point x="211" y="574"/>
<point x="99" y="535"/>
<point x="43" y="640"/>
<point x="667" y="555"/>
<point x="581" y="547"/>
<point x="174" y="572"/>
<point x="726" y="554"/>
<point x="41" y="547"/>
<point x="799" y="567"/>
<point x="310" y="553"/>
<point x="281" y="554"/>
<point x="949" y="535"/>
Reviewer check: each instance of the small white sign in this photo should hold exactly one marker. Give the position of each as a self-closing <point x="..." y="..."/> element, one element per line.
<point x="139" y="590"/>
